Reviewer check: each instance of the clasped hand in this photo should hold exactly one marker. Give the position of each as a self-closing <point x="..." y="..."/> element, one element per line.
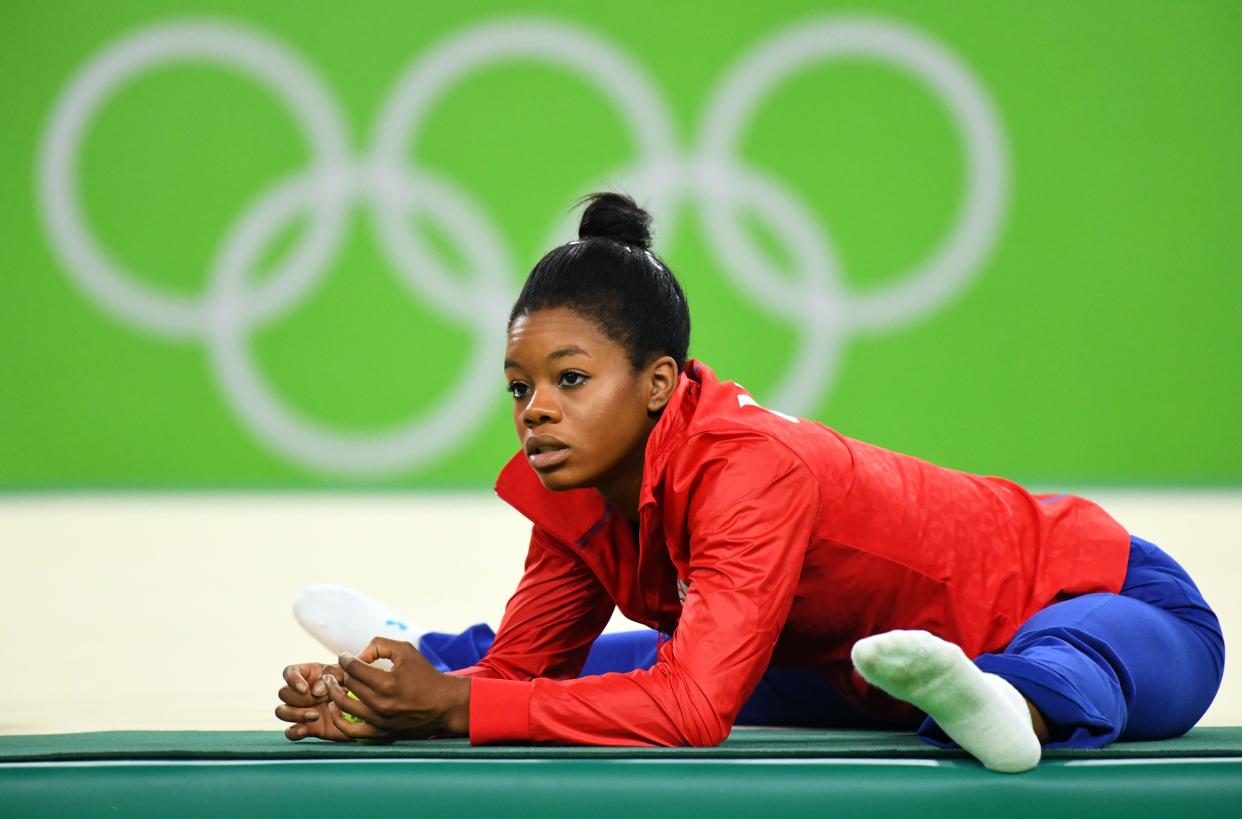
<point x="411" y="701"/>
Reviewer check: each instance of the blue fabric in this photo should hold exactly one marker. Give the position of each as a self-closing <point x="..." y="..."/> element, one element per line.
<point x="1143" y="664"/>
<point x="785" y="696"/>
<point x="451" y="652"/>
<point x="1139" y="665"/>
<point x="624" y="651"/>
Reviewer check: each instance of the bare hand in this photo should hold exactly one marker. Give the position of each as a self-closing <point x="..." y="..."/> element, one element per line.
<point x="412" y="700"/>
<point x="306" y="701"/>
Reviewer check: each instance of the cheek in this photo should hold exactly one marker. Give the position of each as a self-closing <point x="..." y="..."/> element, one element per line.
<point x="616" y="423"/>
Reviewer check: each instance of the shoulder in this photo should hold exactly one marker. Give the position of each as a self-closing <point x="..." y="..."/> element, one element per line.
<point x="721" y="440"/>
<point x="736" y="448"/>
<point x="715" y="471"/>
<point x="714" y="417"/>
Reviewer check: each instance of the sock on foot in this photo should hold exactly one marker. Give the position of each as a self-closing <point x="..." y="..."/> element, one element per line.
<point x="345" y="620"/>
<point x="979" y="711"/>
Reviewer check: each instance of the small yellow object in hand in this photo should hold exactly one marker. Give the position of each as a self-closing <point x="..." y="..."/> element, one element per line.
<point x="351" y="717"/>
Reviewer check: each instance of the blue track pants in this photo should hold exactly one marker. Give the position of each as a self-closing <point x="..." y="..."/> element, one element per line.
<point x="1142" y="664"/>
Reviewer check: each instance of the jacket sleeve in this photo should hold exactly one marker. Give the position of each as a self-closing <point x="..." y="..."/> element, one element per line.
<point x="751" y="514"/>
<point x="552" y="619"/>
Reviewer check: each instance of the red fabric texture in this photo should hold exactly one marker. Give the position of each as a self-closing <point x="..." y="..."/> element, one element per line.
<point x="762" y="540"/>
<point x="505" y="708"/>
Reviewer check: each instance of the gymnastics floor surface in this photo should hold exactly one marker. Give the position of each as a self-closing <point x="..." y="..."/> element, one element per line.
<point x="756" y="772"/>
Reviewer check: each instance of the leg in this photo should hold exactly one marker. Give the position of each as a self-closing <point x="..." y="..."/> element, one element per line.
<point x="785" y="696"/>
<point x="982" y="712"/>
<point x="345" y="620"/>
<point x="1143" y="664"/>
<point x="618" y="651"/>
<point x="1042" y="732"/>
<point x="452" y="652"/>
<point x="802" y="698"/>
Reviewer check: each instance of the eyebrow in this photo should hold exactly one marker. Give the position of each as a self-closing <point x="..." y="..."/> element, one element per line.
<point x="555" y="354"/>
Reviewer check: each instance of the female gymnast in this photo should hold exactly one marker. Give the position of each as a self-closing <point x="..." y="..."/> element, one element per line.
<point x="788" y="574"/>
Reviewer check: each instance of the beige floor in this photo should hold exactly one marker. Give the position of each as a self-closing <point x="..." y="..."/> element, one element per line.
<point x="172" y="611"/>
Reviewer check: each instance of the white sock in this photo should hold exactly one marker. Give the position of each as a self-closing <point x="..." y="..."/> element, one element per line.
<point x="345" y="620"/>
<point x="981" y="712"/>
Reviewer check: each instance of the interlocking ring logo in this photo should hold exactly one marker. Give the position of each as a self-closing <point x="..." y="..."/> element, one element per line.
<point x="711" y="176"/>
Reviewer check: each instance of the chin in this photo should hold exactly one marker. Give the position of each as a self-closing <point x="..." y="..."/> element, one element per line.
<point x="561" y="480"/>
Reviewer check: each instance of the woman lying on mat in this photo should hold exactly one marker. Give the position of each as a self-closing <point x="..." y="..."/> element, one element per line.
<point x="788" y="574"/>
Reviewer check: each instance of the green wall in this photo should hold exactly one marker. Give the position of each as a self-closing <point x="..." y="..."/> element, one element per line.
<point x="182" y="243"/>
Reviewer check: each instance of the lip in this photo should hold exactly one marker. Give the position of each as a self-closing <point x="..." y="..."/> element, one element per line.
<point x="546" y="460"/>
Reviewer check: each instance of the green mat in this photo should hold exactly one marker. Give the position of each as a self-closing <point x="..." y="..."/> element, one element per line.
<point x="766" y="743"/>
<point x="757" y="772"/>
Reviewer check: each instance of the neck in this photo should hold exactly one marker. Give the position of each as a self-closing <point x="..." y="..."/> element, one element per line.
<point x="622" y="486"/>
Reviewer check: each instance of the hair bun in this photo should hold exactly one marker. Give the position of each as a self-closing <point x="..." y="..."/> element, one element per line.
<point x="615" y="216"/>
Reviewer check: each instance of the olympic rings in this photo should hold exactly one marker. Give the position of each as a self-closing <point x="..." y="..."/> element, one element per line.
<point x="711" y="176"/>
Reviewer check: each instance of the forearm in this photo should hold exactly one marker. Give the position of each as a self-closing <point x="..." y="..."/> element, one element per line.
<point x="661" y="706"/>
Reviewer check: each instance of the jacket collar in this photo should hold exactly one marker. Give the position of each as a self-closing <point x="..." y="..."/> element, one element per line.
<point x="575" y="515"/>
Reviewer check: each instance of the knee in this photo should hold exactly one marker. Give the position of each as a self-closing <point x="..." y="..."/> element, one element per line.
<point x="1209" y="631"/>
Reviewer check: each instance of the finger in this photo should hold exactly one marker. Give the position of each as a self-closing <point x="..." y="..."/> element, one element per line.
<point x="355" y="706"/>
<point x="289" y="713"/>
<point x="352" y="730"/>
<point x="299" y="731"/>
<point x="371" y="695"/>
<point x="322" y="729"/>
<point x="359" y="676"/>
<point x="380" y="649"/>
<point x="295" y="676"/>
<point x="289" y="696"/>
<point x="383" y="648"/>
<point x="318" y="688"/>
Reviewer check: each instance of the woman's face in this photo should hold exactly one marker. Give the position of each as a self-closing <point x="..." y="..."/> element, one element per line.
<point x="581" y="412"/>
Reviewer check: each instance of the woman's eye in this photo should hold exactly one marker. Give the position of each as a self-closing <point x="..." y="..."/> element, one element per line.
<point x="517" y="389"/>
<point x="572" y="379"/>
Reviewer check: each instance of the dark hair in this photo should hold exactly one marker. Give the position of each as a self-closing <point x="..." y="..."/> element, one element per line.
<point x="611" y="277"/>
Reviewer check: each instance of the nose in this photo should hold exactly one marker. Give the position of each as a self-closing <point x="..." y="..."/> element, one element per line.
<point x="539" y="411"/>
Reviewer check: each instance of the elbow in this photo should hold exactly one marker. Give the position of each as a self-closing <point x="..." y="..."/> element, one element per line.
<point x="703" y="718"/>
<point x="687" y="729"/>
<point x="712" y="737"/>
<point x="708" y="732"/>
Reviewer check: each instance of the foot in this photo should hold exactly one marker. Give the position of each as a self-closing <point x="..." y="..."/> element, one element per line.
<point x="345" y="620"/>
<point x="981" y="712"/>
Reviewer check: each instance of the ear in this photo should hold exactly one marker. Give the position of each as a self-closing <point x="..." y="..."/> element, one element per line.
<point x="662" y="380"/>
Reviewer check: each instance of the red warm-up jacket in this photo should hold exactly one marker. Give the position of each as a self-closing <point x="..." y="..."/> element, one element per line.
<point x="764" y="540"/>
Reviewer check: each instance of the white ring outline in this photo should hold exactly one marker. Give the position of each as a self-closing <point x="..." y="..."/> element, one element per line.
<point x="815" y="299"/>
<point x="311" y="443"/>
<point x="427" y="78"/>
<point x="929" y="283"/>
<point x="283" y="72"/>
